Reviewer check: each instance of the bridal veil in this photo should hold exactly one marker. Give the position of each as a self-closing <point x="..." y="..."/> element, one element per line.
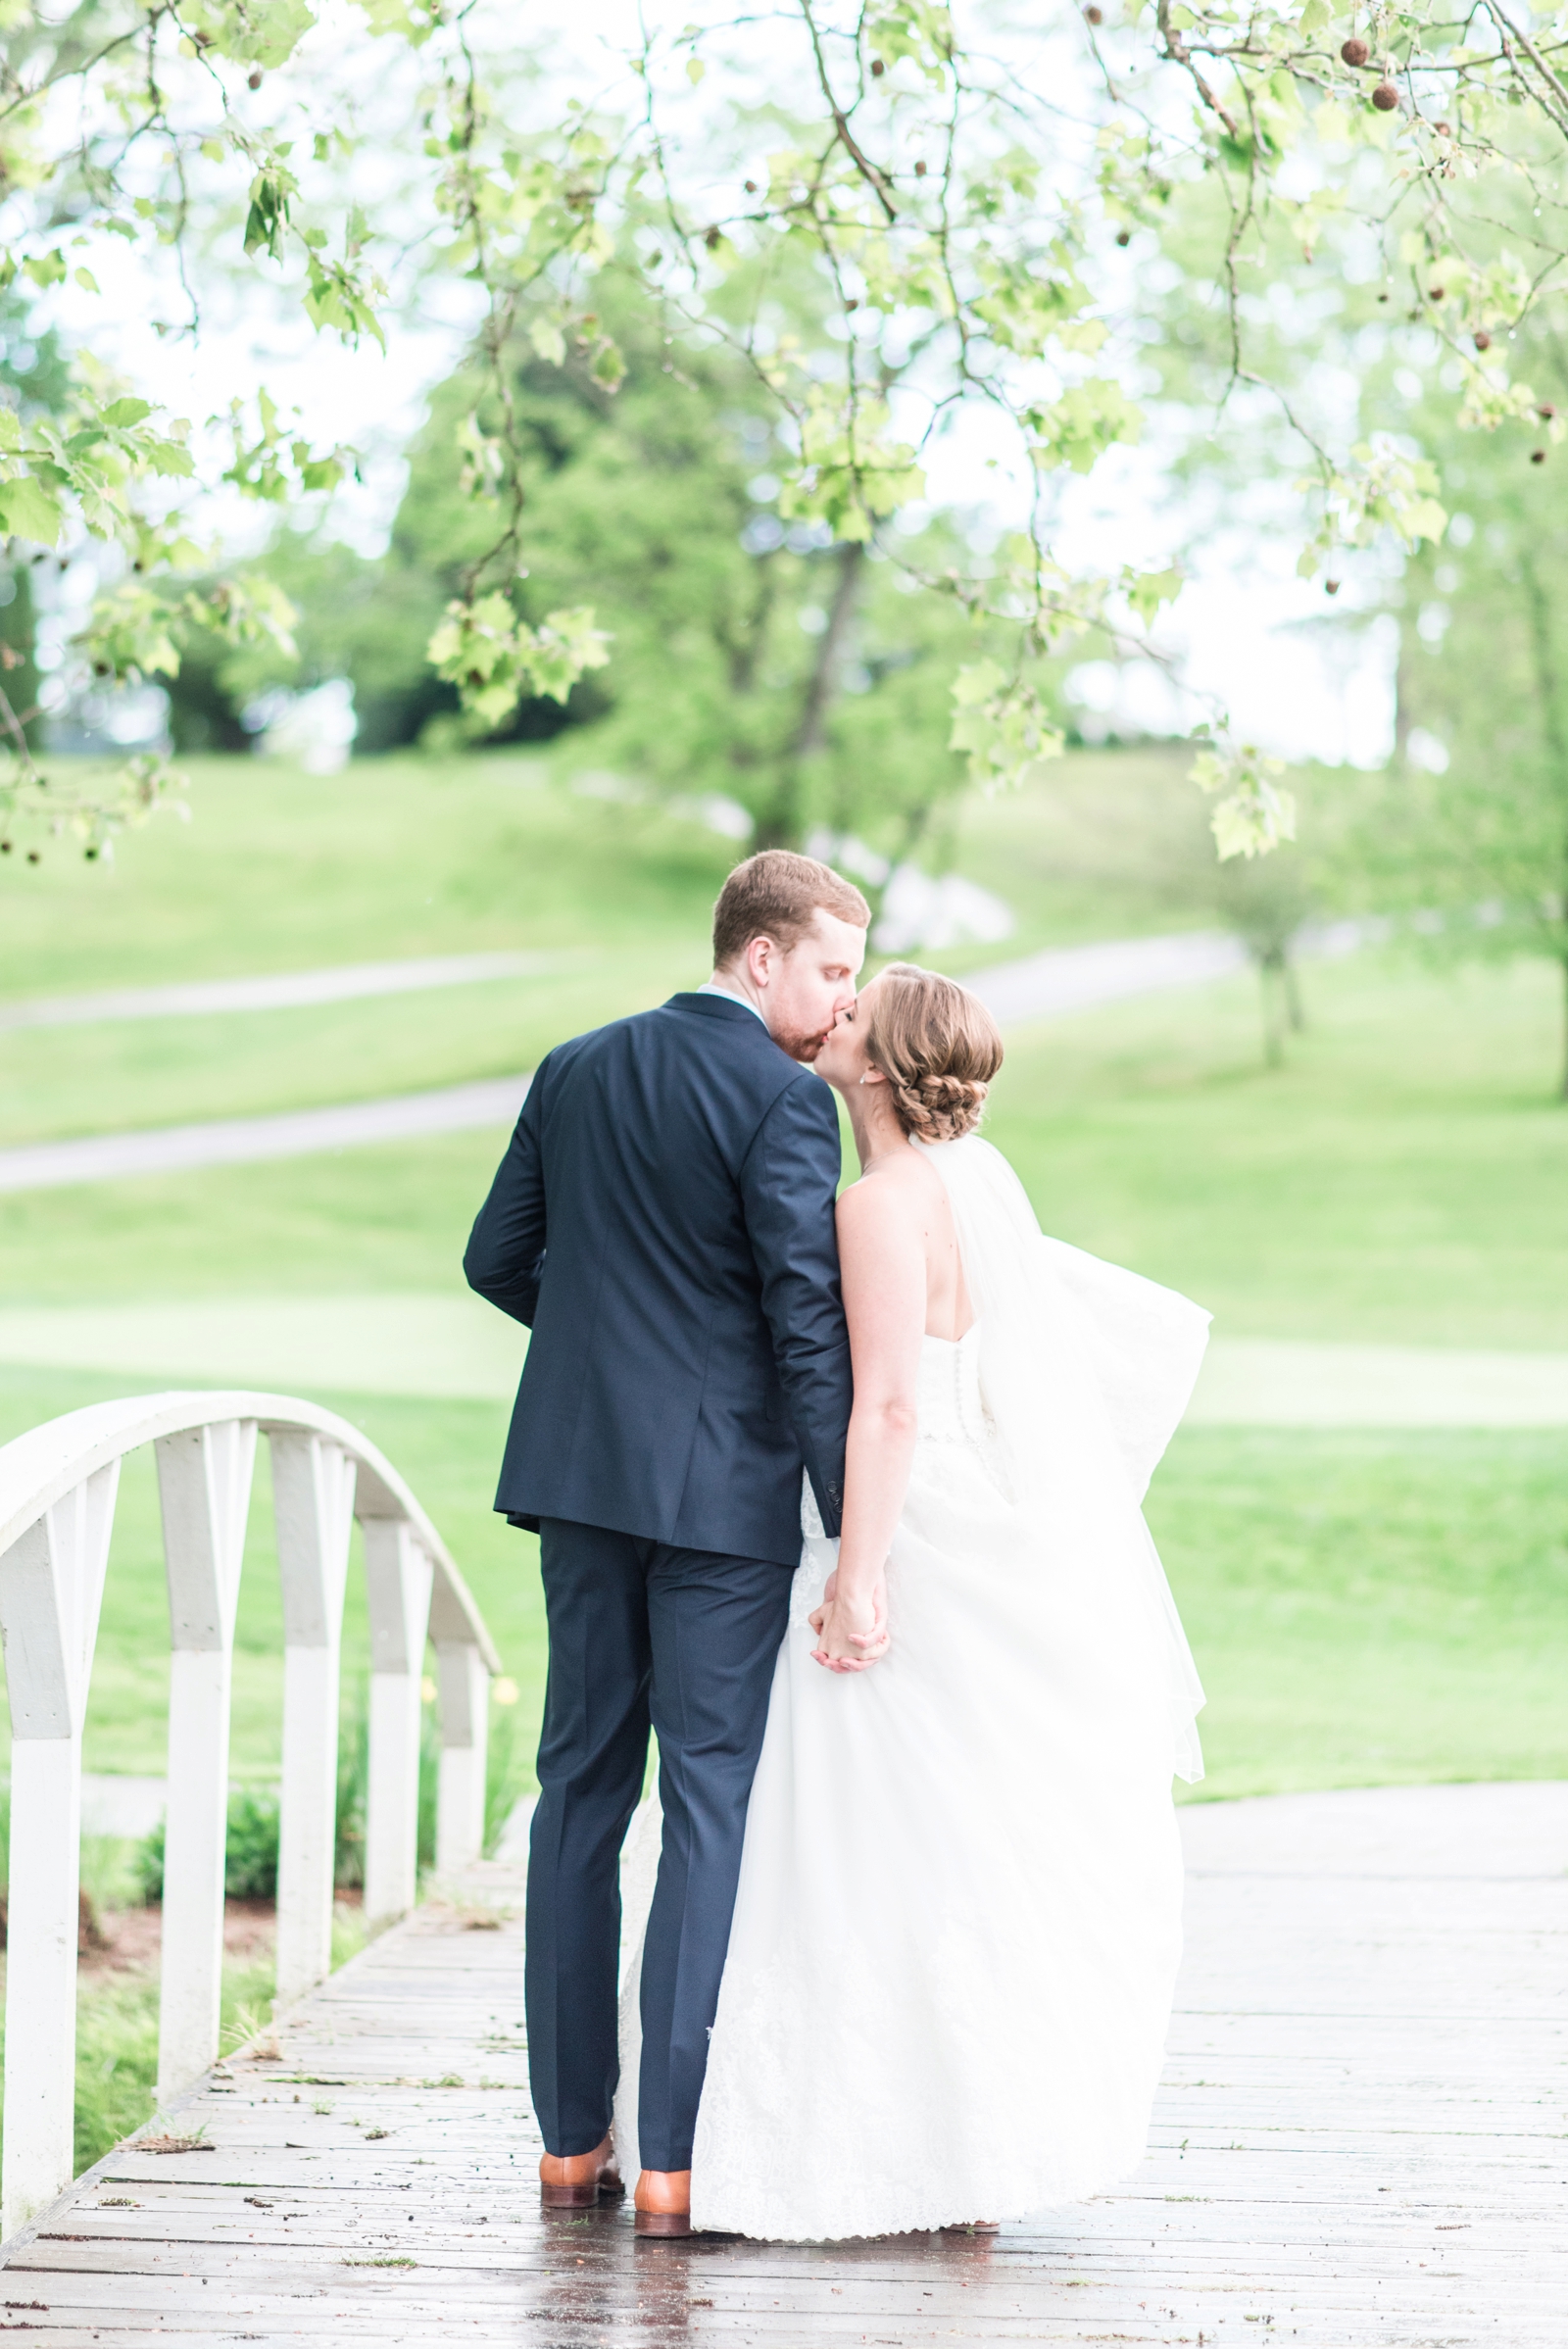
<point x="1085" y="1371"/>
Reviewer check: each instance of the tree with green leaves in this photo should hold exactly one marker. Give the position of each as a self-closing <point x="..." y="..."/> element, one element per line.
<point x="970" y="197"/>
<point x="1468" y="832"/>
<point x="1465" y="837"/>
<point x="751" y="655"/>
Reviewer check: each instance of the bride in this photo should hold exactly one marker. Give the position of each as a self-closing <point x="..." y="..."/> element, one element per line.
<point x="958" y="1925"/>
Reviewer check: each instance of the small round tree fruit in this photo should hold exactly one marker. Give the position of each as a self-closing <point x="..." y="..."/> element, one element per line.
<point x="1436" y="293"/>
<point x="34" y="857"/>
<point x="1354" y="52"/>
<point x="253" y="80"/>
<point x="1331" y="587"/>
<point x="1444" y="129"/>
<point x="751" y="187"/>
<point x="1124" y="236"/>
<point x="1385" y="97"/>
<point x="1094" y="16"/>
<point x="711" y="240"/>
<point x="1482" y="339"/>
<point x="1545" y="411"/>
<point x="1538" y="455"/>
<point x="878" y="69"/>
<point x="919" y="170"/>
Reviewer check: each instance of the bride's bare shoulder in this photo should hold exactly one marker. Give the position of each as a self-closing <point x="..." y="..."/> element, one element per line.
<point x="895" y="1189"/>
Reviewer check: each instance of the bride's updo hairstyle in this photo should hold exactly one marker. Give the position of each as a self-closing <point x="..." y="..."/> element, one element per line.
<point x="938" y="1047"/>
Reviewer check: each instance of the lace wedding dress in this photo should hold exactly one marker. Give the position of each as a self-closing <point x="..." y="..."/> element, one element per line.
<point x="957" y="1924"/>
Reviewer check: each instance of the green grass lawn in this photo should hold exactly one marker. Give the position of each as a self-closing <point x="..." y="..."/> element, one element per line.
<point x="1403" y="1180"/>
<point x="1371" y="1608"/>
<point x="1364" y="1607"/>
<point x="276" y="870"/>
<point x="279" y="872"/>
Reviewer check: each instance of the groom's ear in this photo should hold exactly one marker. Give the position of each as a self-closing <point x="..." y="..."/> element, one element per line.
<point x="762" y="957"/>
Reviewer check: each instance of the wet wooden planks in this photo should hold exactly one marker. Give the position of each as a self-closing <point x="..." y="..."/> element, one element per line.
<point x="1361" y="2142"/>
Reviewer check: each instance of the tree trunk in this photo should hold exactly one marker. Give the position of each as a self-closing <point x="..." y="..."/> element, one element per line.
<point x="1270" y="981"/>
<point x="1290" y="980"/>
<point x="823" y="684"/>
<point x="1555" y="738"/>
<point x="1402" y="719"/>
<point x="781" y="825"/>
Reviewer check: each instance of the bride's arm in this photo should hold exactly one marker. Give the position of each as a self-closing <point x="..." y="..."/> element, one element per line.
<point x="882" y="1257"/>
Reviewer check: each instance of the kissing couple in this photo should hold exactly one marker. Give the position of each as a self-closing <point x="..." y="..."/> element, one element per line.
<point x="840" y="1498"/>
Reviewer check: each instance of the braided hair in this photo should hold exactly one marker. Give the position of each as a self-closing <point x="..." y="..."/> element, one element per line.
<point x="938" y="1047"/>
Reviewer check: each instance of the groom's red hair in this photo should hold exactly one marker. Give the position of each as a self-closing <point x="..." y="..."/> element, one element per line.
<point x="776" y="894"/>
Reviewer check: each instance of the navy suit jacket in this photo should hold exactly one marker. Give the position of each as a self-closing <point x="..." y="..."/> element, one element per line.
<point x="664" y="1223"/>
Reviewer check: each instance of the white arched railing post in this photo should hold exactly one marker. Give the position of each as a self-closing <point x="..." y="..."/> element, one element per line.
<point x="398" y="1574"/>
<point x="313" y="1488"/>
<point x="464" y="1684"/>
<point x="57" y="1496"/>
<point x="204" y="1485"/>
<point x="51" y="1589"/>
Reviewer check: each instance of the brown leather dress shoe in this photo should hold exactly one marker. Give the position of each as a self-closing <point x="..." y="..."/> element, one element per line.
<point x="574" y="2180"/>
<point x="664" y="2202"/>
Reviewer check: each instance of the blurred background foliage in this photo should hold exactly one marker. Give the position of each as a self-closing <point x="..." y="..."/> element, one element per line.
<point x="753" y="658"/>
<point x="804" y="683"/>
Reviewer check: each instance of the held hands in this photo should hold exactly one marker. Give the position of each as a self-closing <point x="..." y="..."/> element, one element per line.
<point x="851" y="1631"/>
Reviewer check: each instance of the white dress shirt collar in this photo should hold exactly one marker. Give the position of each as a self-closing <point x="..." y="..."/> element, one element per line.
<point x="713" y="987"/>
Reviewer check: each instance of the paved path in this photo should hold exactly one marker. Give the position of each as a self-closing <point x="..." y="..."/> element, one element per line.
<point x="1041" y="986"/>
<point x="243" y="1141"/>
<point x="1061" y="979"/>
<point x="1078" y="978"/>
<point x="1359" y="2142"/>
<point x="279" y="990"/>
<point x="456" y="1348"/>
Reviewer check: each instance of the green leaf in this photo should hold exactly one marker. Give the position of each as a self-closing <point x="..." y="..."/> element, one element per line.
<point x="978" y="681"/>
<point x="171" y="458"/>
<point x="1149" y="589"/>
<point x="27" y="511"/>
<point x="1077" y="429"/>
<point x="256" y="32"/>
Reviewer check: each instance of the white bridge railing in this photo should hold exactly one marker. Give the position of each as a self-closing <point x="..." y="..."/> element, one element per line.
<point x="57" y="1504"/>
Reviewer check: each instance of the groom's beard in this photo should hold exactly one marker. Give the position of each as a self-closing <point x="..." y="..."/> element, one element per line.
<point x="801" y="1047"/>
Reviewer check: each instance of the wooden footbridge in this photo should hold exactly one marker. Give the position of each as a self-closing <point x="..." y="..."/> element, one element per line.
<point x="1361" y="2139"/>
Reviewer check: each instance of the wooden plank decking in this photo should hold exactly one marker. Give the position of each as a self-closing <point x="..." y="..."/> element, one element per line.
<point x="1362" y="2139"/>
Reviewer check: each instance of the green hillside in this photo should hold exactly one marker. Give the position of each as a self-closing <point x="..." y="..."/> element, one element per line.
<point x="1364" y="1605"/>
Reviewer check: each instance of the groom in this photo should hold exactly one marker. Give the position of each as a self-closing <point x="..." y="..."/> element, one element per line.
<point x="664" y="1223"/>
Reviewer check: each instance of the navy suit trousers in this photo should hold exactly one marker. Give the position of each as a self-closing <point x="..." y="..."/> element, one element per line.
<point x="641" y="1633"/>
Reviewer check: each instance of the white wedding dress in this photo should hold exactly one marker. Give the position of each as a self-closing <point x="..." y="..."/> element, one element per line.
<point x="958" y="1925"/>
